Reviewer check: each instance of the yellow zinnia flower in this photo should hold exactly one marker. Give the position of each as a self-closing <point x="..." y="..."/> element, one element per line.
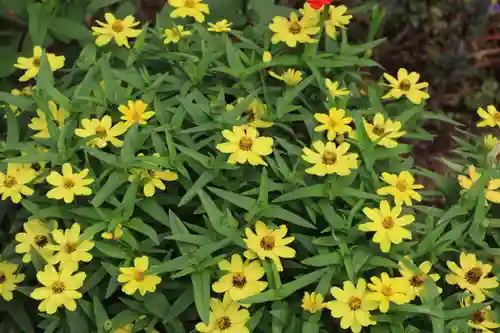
<point x="402" y="187"/>
<point x="491" y="192"/>
<point x="267" y="56"/>
<point x="104" y="130"/>
<point x="311" y="15"/>
<point x="220" y="26"/>
<point x="242" y="279"/>
<point x="472" y="275"/>
<point x="135" y="278"/>
<point x="60" y="288"/>
<point x="68" y="184"/>
<point x="245" y="146"/>
<point x="491" y="141"/>
<point x="490" y="118"/>
<point x="333" y="88"/>
<point x="387" y="225"/>
<point x="40" y="124"/>
<point x="255" y="112"/>
<point x="175" y="34"/>
<point x="32" y="64"/>
<point x="152" y="178"/>
<point x="383" y="132"/>
<point x="313" y="302"/>
<point x="119" y="30"/>
<point x="225" y="316"/>
<point x="329" y="159"/>
<point x="115" y="235"/>
<point x="352" y="305"/>
<point x="481" y="320"/>
<point x="406" y="85"/>
<point x="337" y="18"/>
<point x="193" y="8"/>
<point x="291" y="77"/>
<point x="269" y="243"/>
<point x="416" y="280"/>
<point x="386" y="290"/>
<point x="292" y="30"/>
<point x="335" y="123"/>
<point x="69" y="248"/>
<point x="35" y="236"/>
<point x="13" y="182"/>
<point x="9" y="278"/>
<point x="135" y="113"/>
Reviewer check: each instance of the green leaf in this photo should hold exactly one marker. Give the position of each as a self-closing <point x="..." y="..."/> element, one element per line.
<point x="22" y="102"/>
<point x="283" y="214"/>
<point x="76" y="322"/>
<point x="151" y="207"/>
<point x="236" y="199"/>
<point x="67" y="29"/>
<point x="183" y="302"/>
<point x="194" y="189"/>
<point x="112" y="251"/>
<point x="325" y="259"/>
<point x="157" y="304"/>
<point x="38" y="22"/>
<point x="18" y="313"/>
<point x="115" y="180"/>
<point x="101" y="316"/>
<point x="139" y="226"/>
<point x="283" y="103"/>
<point x="95" y="5"/>
<point x="201" y="291"/>
<point x="313" y="191"/>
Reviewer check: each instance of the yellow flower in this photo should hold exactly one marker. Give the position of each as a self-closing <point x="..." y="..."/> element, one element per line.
<point x="333" y="87"/>
<point x="225" y="317"/>
<point x="135" y="113"/>
<point x="175" y="34"/>
<point x="220" y="26"/>
<point x="406" y="85"/>
<point x="119" y="30"/>
<point x="104" y="130"/>
<point x="135" y="278"/>
<point x="329" y="159"/>
<point x="291" y="77"/>
<point x="491" y="192"/>
<point x="193" y="8"/>
<point x="313" y="302"/>
<point x="115" y="235"/>
<point x="68" y="184"/>
<point x="69" y="248"/>
<point x="27" y="91"/>
<point x="337" y="18"/>
<point x="36" y="236"/>
<point x="13" y="182"/>
<point x="352" y="305"/>
<point x="416" y="279"/>
<point x="335" y="123"/>
<point x="242" y="279"/>
<point x="491" y="141"/>
<point x="245" y="146"/>
<point x="267" y="56"/>
<point x="32" y="65"/>
<point x="311" y="15"/>
<point x="269" y="243"/>
<point x="293" y="31"/>
<point x="60" y="288"/>
<point x="481" y="320"/>
<point x="125" y="329"/>
<point x="386" y="290"/>
<point x="387" y="225"/>
<point x="384" y="132"/>
<point x="9" y="279"/>
<point x="402" y="187"/>
<point x="40" y="123"/>
<point x="152" y="178"/>
<point x="255" y="112"/>
<point x="490" y="118"/>
<point x="472" y="276"/>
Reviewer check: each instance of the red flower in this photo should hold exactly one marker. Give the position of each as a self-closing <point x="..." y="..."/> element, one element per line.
<point x="317" y="4"/>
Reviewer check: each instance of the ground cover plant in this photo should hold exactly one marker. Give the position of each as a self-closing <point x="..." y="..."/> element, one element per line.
<point x="190" y="176"/>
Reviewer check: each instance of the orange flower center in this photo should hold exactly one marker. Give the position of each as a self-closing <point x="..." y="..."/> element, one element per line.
<point x="295" y="28"/>
<point x="223" y="323"/>
<point x="417" y="280"/>
<point x="58" y="287"/>
<point x="474" y="275"/>
<point x="100" y="131"/>
<point x="117" y="26"/>
<point x="388" y="222"/>
<point x="10" y="182"/>
<point x="405" y="85"/>
<point x="41" y="240"/>
<point x="497" y="116"/>
<point x="378" y="130"/>
<point x="329" y="157"/>
<point x="139" y="276"/>
<point x="386" y="291"/>
<point x="3" y="277"/>
<point x="239" y="280"/>
<point x="246" y="144"/>
<point x="402" y="186"/>
<point x="68" y="183"/>
<point x="36" y="61"/>
<point x="354" y="303"/>
<point x="478" y="316"/>
<point x="267" y="243"/>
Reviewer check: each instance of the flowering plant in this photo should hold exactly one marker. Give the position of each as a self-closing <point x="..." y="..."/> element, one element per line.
<point x="195" y="176"/>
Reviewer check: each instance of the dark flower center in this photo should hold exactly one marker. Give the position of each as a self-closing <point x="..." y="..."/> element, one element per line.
<point x="70" y="247"/>
<point x="223" y="323"/>
<point x="405" y="85"/>
<point x="68" y="183"/>
<point x="36" y="166"/>
<point x="354" y="303"/>
<point x="3" y="277"/>
<point x="10" y="181"/>
<point x="100" y="131"/>
<point x="402" y="186"/>
<point x="239" y="280"/>
<point x="41" y="240"/>
<point x="329" y="157"/>
<point x="497" y="116"/>
<point x="190" y="3"/>
<point x="478" y="316"/>
<point x="267" y="243"/>
<point x="386" y="291"/>
<point x="246" y="144"/>
<point x="377" y="130"/>
<point x="117" y="26"/>
<point x="474" y="275"/>
<point x="417" y="280"/>
<point x="139" y="276"/>
<point x="295" y="28"/>
<point x="36" y="61"/>
<point x="58" y="287"/>
<point x="388" y="222"/>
